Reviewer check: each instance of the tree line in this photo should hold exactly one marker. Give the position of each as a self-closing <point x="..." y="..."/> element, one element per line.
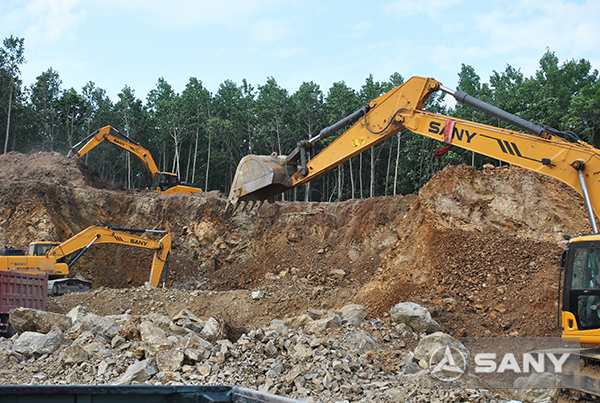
<point x="201" y="136"/>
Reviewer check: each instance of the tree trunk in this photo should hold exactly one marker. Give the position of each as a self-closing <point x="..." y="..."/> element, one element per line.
<point x="351" y="178"/>
<point x="195" y="154"/>
<point x="8" y="116"/>
<point x="387" y="171"/>
<point x="207" y="165"/>
<point x="397" y="161"/>
<point x="187" y="168"/>
<point x="372" y="184"/>
<point x="360" y="184"/>
<point x="340" y="183"/>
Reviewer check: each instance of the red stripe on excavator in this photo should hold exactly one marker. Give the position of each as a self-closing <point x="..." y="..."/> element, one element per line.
<point x="448" y="131"/>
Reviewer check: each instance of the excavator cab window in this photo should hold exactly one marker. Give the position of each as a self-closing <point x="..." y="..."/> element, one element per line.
<point x="40" y="249"/>
<point x="167" y="181"/>
<point x="585" y="287"/>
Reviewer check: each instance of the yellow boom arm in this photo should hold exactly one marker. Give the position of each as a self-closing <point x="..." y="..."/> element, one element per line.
<point x="101" y="234"/>
<point x="162" y="182"/>
<point x="261" y="178"/>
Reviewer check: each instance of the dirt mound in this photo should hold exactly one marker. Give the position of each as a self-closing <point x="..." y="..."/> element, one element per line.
<point x="51" y="167"/>
<point x="477" y="248"/>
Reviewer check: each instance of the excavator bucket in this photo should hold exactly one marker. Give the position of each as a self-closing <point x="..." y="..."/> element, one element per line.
<point x="259" y="178"/>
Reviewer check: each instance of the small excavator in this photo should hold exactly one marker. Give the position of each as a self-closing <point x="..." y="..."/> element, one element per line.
<point x="541" y="149"/>
<point x="161" y="182"/>
<point x="55" y="260"/>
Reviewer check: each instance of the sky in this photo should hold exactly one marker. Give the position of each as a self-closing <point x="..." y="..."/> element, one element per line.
<point x="118" y="43"/>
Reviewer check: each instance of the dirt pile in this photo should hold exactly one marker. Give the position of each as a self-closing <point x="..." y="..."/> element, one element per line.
<point x="478" y="249"/>
<point x="51" y="168"/>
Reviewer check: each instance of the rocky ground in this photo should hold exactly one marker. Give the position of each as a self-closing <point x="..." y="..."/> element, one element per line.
<point x="478" y="249"/>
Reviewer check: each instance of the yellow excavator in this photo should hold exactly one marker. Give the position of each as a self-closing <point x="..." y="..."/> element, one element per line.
<point x="55" y="259"/>
<point x="161" y="182"/>
<point x="541" y="149"/>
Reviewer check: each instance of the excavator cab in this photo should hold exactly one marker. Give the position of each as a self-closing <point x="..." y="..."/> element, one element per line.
<point x="163" y="181"/>
<point x="40" y="248"/>
<point x="581" y="299"/>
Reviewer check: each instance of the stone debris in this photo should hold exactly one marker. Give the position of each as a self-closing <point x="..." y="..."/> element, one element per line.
<point x="331" y="356"/>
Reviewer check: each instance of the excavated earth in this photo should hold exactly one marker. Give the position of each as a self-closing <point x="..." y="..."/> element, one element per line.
<point x="478" y="249"/>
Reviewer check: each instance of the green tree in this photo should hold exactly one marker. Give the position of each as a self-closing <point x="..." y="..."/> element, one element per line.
<point x="12" y="55"/>
<point x="547" y="95"/>
<point x="273" y="117"/>
<point x="167" y="112"/>
<point x="307" y="121"/>
<point x="132" y="118"/>
<point x="197" y="101"/>
<point x="583" y="115"/>
<point x="71" y="110"/>
<point x="230" y="104"/>
<point x="45" y="94"/>
<point x="340" y="102"/>
<point x="368" y="92"/>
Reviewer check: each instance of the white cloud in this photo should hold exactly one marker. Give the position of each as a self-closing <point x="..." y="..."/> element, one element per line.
<point x="432" y="8"/>
<point x="45" y="21"/>
<point x="285" y="53"/>
<point x="191" y="13"/>
<point x="269" y="31"/>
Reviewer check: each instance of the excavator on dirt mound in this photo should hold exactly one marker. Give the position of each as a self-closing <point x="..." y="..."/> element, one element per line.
<point x="52" y="258"/>
<point x="540" y="149"/>
<point x="161" y="182"/>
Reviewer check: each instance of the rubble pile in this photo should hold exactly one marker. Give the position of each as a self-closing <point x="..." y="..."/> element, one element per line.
<point x="319" y="356"/>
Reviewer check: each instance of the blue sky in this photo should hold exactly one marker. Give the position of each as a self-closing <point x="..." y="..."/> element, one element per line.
<point x="135" y="42"/>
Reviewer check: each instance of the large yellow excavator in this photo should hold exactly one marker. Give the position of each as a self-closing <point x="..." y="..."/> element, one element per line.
<point x="43" y="257"/>
<point x="540" y="149"/>
<point x="161" y="182"/>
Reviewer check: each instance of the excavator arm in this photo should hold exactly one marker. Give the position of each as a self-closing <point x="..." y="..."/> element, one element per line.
<point x="125" y="142"/>
<point x="163" y="182"/>
<point x="577" y="164"/>
<point x="103" y="234"/>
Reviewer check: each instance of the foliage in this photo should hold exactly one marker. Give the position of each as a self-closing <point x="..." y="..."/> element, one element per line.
<point x="202" y="136"/>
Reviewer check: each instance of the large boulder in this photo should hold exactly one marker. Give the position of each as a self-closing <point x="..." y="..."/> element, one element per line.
<point x="154" y="337"/>
<point x="38" y="344"/>
<point x="140" y="371"/>
<point x="74" y="354"/>
<point x="438" y="343"/>
<point x="415" y="316"/>
<point x="537" y="388"/>
<point x="188" y="320"/>
<point x="353" y="313"/>
<point x="33" y="320"/>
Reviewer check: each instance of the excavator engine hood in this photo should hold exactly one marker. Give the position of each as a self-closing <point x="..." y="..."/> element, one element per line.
<point x="259" y="178"/>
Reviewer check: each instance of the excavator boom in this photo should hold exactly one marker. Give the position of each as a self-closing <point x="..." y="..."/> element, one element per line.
<point x="51" y="258"/>
<point x="162" y="182"/>
<point x="536" y="148"/>
<point x="261" y="178"/>
<point x="106" y="234"/>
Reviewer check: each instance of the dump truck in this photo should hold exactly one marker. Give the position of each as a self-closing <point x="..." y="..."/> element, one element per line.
<point x="20" y="290"/>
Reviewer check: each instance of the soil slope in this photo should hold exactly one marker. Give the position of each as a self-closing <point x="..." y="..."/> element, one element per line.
<point x="477" y="248"/>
